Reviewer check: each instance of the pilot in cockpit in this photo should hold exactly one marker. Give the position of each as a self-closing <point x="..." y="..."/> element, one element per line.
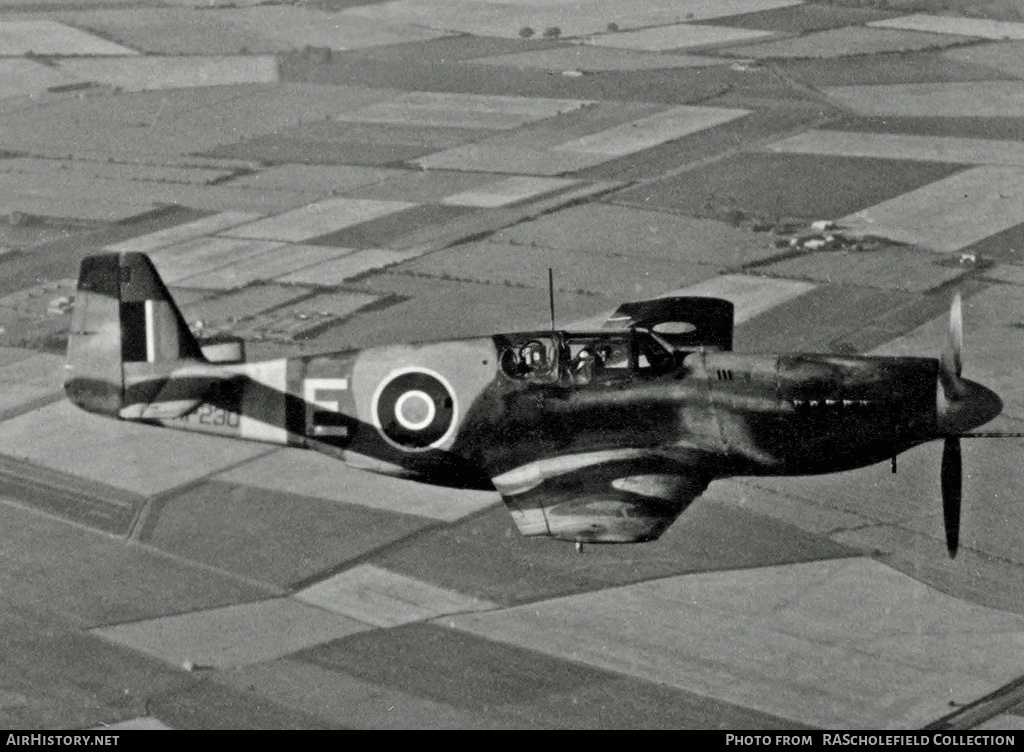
<point x="588" y="363"/>
<point x="533" y="357"/>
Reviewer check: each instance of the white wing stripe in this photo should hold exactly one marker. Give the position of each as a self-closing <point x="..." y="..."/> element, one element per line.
<point x="527" y="477"/>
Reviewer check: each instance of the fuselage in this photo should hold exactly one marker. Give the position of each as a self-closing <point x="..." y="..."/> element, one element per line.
<point x="459" y="413"/>
<point x="734" y="414"/>
<point x="744" y="414"/>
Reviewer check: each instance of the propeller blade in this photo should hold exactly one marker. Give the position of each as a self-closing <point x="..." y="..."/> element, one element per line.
<point x="951" y="362"/>
<point x="952" y="488"/>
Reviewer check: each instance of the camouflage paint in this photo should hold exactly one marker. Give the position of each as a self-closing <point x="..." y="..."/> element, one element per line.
<point x="609" y="454"/>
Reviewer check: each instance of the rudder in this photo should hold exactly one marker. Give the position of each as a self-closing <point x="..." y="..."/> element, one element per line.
<point x="152" y="328"/>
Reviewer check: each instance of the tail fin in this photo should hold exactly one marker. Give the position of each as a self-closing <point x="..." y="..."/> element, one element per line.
<point x="127" y="339"/>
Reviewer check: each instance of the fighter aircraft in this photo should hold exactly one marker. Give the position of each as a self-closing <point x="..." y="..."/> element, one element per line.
<point x="602" y="436"/>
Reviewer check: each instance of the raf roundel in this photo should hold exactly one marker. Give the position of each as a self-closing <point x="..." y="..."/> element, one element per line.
<point x="414" y="409"/>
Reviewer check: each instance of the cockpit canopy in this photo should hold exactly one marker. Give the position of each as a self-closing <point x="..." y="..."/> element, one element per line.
<point x="580" y="358"/>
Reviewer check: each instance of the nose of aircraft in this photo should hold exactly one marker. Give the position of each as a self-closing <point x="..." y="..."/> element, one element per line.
<point x="973" y="405"/>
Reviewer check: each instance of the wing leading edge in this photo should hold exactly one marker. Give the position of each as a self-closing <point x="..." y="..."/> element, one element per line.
<point x="617" y="496"/>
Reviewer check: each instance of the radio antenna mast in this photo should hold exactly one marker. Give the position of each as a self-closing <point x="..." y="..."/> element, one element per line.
<point x="551" y="296"/>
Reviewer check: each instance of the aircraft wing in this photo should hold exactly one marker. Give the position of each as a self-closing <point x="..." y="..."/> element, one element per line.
<point x="683" y="322"/>
<point x="614" y="496"/>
